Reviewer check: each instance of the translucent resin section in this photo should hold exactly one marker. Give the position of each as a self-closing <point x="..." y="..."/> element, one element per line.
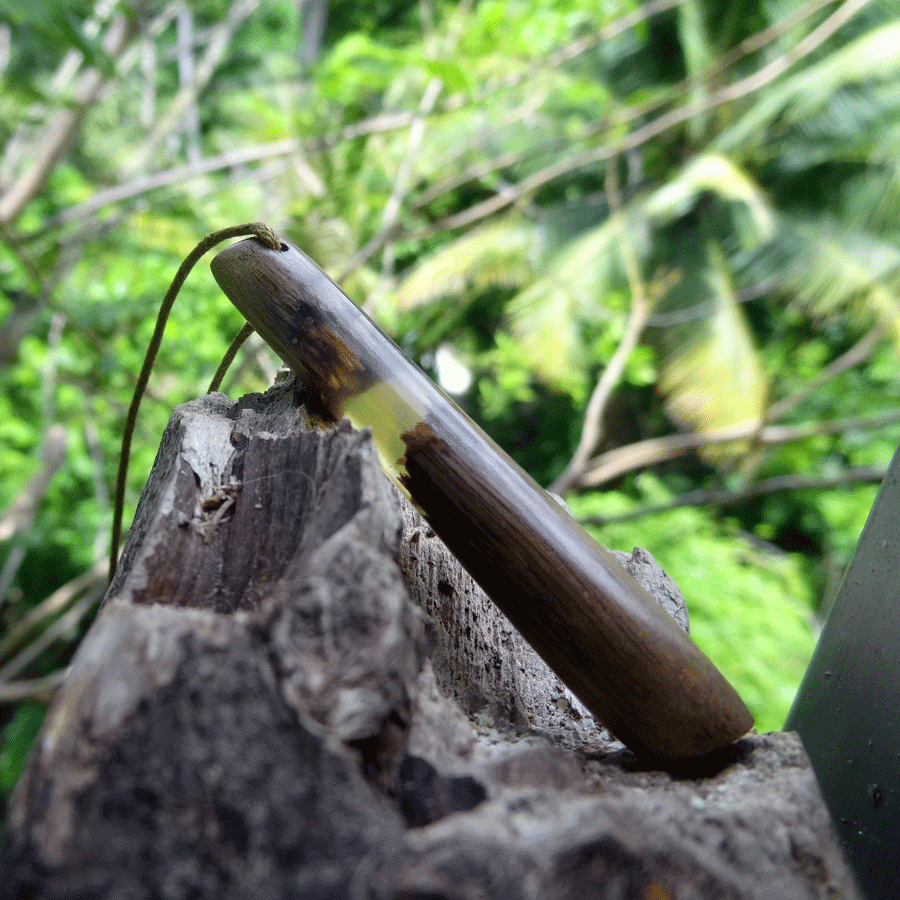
<point x="573" y="602"/>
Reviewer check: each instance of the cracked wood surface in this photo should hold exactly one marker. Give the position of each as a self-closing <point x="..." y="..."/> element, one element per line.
<point x="293" y="690"/>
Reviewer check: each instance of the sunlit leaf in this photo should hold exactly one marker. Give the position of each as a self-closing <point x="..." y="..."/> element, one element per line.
<point x="710" y="374"/>
<point x="715" y="174"/>
<point x="453" y="75"/>
<point x="502" y="254"/>
<point x="546" y="317"/>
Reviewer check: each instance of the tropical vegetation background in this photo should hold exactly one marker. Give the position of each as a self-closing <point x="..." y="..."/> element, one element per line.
<point x="654" y="248"/>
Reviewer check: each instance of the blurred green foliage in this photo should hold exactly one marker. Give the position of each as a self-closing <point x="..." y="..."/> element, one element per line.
<point x="512" y="179"/>
<point x="750" y="603"/>
<point x="18" y="736"/>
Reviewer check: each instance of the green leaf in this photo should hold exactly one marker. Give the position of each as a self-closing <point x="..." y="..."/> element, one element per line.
<point x="832" y="269"/>
<point x="454" y="76"/>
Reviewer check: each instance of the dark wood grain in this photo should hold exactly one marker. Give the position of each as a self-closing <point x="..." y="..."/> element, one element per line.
<point x="585" y="615"/>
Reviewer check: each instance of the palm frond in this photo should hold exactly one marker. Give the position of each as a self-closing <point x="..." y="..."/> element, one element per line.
<point x="548" y="316"/>
<point x="833" y="268"/>
<point x="716" y="174"/>
<point x="874" y="57"/>
<point x="858" y="123"/>
<point x="710" y="373"/>
<point x="502" y="254"/>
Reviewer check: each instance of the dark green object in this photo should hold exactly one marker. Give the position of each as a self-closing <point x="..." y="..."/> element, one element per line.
<point x="847" y="710"/>
<point x="16" y="741"/>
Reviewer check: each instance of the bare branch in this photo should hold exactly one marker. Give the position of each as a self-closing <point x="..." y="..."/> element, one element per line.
<point x="592" y="429"/>
<point x="5" y="47"/>
<point x="19" y="515"/>
<point x="219" y="39"/>
<point x="652" y="129"/>
<point x="33" y="690"/>
<point x="144" y="185"/>
<point x="184" y="51"/>
<point x="101" y="491"/>
<point x="781" y="64"/>
<point x="52" y="606"/>
<point x="232" y="159"/>
<point x="64" y="625"/>
<point x="48" y="373"/>
<point x="149" y="76"/>
<point x="17" y="323"/>
<point x="391" y="214"/>
<point x="63" y="127"/>
<point x="863" y="475"/>
<point x="614" y="463"/>
<point x="860" y="351"/>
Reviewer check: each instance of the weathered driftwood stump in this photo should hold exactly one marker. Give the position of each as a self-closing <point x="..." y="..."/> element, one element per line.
<point x="293" y="690"/>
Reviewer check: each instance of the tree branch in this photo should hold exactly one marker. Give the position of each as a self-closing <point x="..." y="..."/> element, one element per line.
<point x="62" y="129"/>
<point x="861" y="350"/>
<point x="52" y="606"/>
<point x="652" y="129"/>
<point x="391" y="213"/>
<point x="640" y="455"/>
<point x="33" y="690"/>
<point x="19" y="517"/>
<point x="862" y="475"/>
<point x="219" y="39"/>
<point x="592" y="428"/>
<point x="65" y="624"/>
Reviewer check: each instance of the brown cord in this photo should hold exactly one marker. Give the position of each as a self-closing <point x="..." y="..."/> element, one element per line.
<point x="271" y="240"/>
<point x="230" y="354"/>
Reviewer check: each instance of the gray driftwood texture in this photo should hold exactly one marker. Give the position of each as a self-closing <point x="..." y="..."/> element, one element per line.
<point x="268" y="705"/>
